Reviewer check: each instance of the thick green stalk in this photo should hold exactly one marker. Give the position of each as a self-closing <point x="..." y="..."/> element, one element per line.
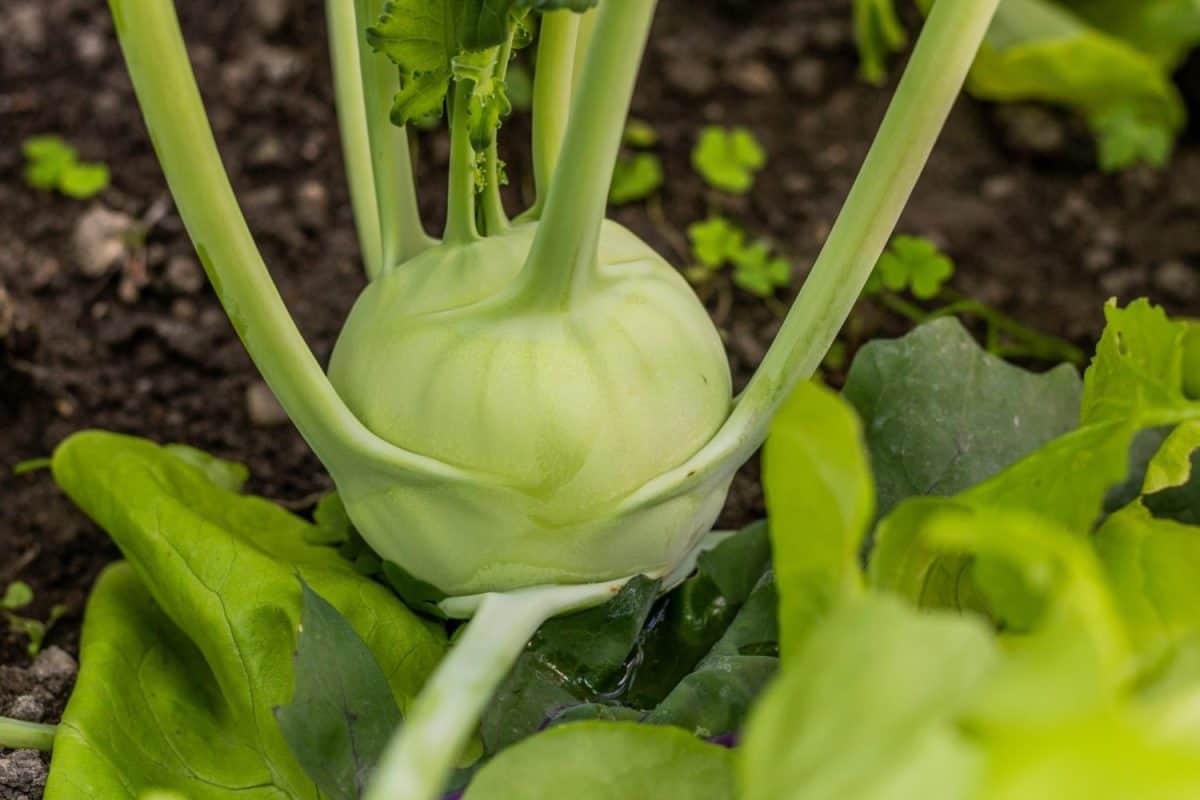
<point x="402" y="233"/>
<point x="460" y="199"/>
<point x="16" y="734"/>
<point x="352" y="122"/>
<point x="564" y="249"/>
<point x="421" y="754"/>
<point x="587" y="27"/>
<point x="166" y="90"/>
<point x="928" y="90"/>
<point x="552" y="98"/>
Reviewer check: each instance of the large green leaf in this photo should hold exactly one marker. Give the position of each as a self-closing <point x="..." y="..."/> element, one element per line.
<point x="715" y="698"/>
<point x="342" y="714"/>
<point x="942" y="414"/>
<point x="187" y="650"/>
<point x="1154" y="569"/>
<point x="695" y="658"/>
<point x="867" y="709"/>
<point x="821" y="500"/>
<point x="1134" y="383"/>
<point x="608" y="761"/>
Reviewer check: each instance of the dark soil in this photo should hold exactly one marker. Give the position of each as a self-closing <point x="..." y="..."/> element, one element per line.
<point x="143" y="348"/>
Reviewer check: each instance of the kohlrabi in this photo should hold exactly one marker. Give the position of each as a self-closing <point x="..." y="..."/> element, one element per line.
<point x="523" y="414"/>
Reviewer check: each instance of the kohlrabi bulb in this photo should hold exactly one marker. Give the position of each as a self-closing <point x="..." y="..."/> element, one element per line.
<point x="573" y="408"/>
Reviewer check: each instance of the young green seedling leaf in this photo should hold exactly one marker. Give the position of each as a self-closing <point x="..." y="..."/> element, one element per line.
<point x="715" y="241"/>
<point x="758" y="271"/>
<point x="343" y="712"/>
<point x="17" y="595"/>
<point x="913" y="264"/>
<point x="640" y="134"/>
<point x="636" y="177"/>
<point x="54" y="164"/>
<point x="728" y="159"/>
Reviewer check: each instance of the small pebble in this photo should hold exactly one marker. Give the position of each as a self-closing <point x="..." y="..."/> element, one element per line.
<point x="90" y="47"/>
<point x="22" y="774"/>
<point x="1121" y="283"/>
<point x="27" y="24"/>
<point x="99" y="240"/>
<point x="267" y="152"/>
<point x="690" y="76"/>
<point x="54" y="668"/>
<point x="1032" y="129"/>
<point x="312" y="204"/>
<point x="1178" y="280"/>
<point x="807" y="76"/>
<point x="184" y="275"/>
<point x="270" y="14"/>
<point x="28" y="708"/>
<point x="263" y="408"/>
<point x="754" y="77"/>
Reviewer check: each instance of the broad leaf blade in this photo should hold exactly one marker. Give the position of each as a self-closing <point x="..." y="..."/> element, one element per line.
<point x="820" y="497"/>
<point x="342" y="713"/>
<point x="608" y="761"/>
<point x="212" y="649"/>
<point x="941" y="414"/>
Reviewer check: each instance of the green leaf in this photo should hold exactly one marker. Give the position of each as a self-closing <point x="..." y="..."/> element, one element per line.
<point x="1154" y="569"/>
<point x="1172" y="484"/>
<point x="687" y="623"/>
<point x="342" y="713"/>
<point x="30" y="465"/>
<point x="758" y="271"/>
<point x="715" y="241"/>
<point x="1139" y="366"/>
<point x="331" y="523"/>
<point x="941" y="414"/>
<point x="48" y="149"/>
<point x="715" y="698"/>
<point x="640" y="134"/>
<point x="728" y="159"/>
<point x="635" y="178"/>
<point x="571" y="660"/>
<point x="820" y="498"/>
<point x="205" y="615"/>
<point x="433" y="42"/>
<point x="915" y="265"/>
<point x="867" y="709"/>
<point x="608" y="761"/>
<point x="226" y="474"/>
<point x="82" y="181"/>
<point x="17" y="595"/>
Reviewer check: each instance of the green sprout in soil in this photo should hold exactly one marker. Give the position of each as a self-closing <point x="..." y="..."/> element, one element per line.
<point x="728" y="158"/>
<point x="17" y="596"/>
<point x="638" y="175"/>
<point x="53" y="164"/>
<point x="915" y="267"/>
